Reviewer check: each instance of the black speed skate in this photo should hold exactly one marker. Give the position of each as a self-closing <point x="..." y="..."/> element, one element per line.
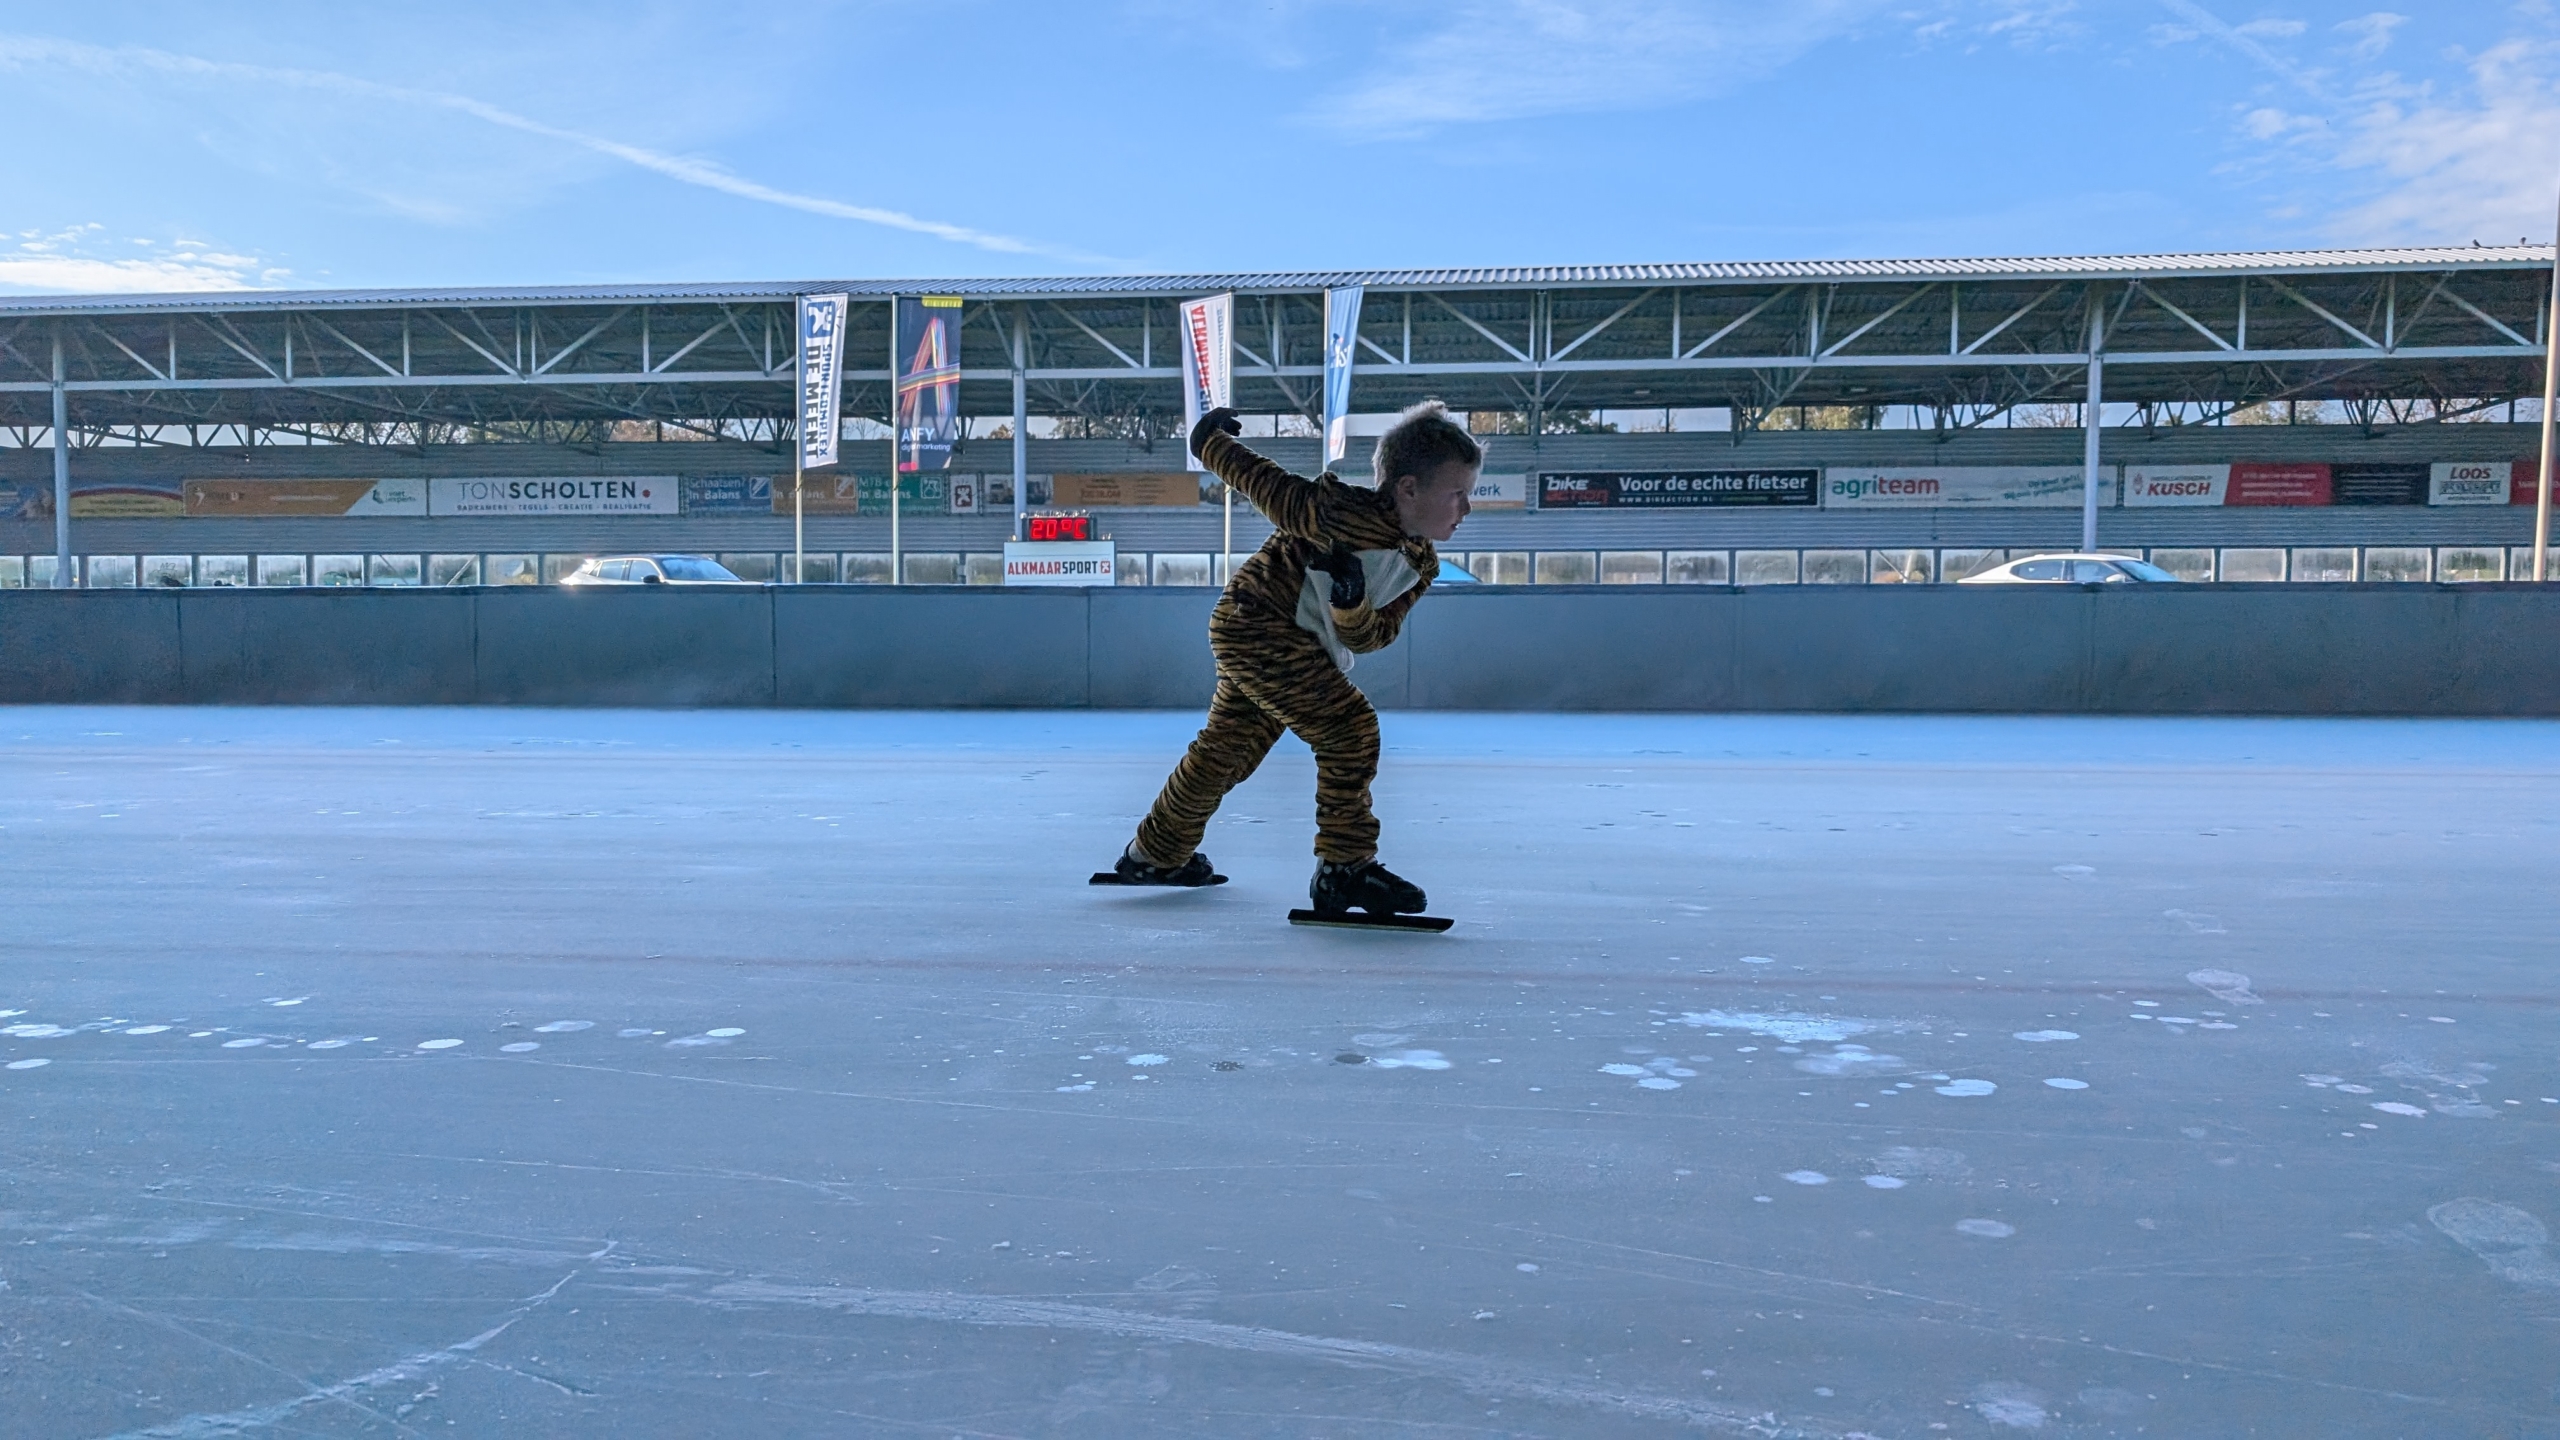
<point x="1191" y="873"/>
<point x="1381" y="898"/>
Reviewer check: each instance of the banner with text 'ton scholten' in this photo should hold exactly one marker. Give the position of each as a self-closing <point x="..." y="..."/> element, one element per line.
<point x="821" y="377"/>
<point x="1208" y="377"/>
<point x="928" y="360"/>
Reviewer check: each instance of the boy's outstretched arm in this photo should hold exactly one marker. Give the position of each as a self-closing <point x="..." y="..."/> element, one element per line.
<point x="1287" y="501"/>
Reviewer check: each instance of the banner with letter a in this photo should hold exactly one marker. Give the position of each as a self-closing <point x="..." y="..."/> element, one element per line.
<point x="821" y="377"/>
<point x="927" y="352"/>
<point x="1341" y="337"/>
<point x="1208" y="379"/>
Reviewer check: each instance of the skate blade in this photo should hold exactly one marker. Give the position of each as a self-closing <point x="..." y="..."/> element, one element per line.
<point x="1106" y="877"/>
<point x="1362" y="920"/>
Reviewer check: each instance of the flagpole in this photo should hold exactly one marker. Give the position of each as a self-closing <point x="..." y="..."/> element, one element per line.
<point x="897" y="565"/>
<point x="800" y="449"/>
<point x="2550" y="384"/>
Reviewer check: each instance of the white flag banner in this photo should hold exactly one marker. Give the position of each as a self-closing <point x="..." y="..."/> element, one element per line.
<point x="1208" y="382"/>
<point x="821" y="376"/>
<point x="1341" y="337"/>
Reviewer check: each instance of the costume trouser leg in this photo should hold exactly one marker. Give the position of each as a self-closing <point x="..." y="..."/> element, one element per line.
<point x="1263" y="688"/>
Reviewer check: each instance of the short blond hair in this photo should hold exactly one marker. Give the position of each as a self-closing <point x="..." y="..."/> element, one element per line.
<point x="1422" y="440"/>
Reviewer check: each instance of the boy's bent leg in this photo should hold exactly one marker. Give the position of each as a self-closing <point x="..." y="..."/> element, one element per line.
<point x="1238" y="734"/>
<point x="1320" y="703"/>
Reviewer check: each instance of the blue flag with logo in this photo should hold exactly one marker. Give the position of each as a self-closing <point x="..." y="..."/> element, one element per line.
<point x="1341" y="334"/>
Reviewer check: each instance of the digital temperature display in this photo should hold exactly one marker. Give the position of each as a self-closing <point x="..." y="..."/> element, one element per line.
<point x="1061" y="527"/>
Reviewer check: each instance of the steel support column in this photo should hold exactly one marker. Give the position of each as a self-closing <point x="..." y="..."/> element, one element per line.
<point x="2095" y="417"/>
<point x="1021" y="422"/>
<point x="61" y="471"/>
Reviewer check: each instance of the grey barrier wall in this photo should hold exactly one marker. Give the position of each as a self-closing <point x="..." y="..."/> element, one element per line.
<point x="2388" y="649"/>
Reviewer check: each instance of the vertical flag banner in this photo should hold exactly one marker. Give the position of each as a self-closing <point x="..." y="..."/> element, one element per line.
<point x="1208" y="382"/>
<point x="821" y="377"/>
<point x="928" y="355"/>
<point x="1341" y="337"/>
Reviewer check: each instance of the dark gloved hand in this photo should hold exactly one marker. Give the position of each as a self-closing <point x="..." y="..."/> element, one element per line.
<point x="1222" y="418"/>
<point x="1350" y="581"/>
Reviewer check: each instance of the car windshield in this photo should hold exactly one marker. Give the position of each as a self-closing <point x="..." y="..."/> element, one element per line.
<point x="2145" y="570"/>
<point x="694" y="567"/>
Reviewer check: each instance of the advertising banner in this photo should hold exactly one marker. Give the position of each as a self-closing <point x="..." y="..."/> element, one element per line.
<point x="927" y="352"/>
<point x="2378" y="484"/>
<point x="2151" y="485"/>
<point x="2526" y="473"/>
<point x="1500" y="492"/>
<point x="1090" y="492"/>
<point x="2279" y="485"/>
<point x="127" y="499"/>
<point x="1060" y="562"/>
<point x="1595" y="490"/>
<point x="839" y="492"/>
<point x="25" y="500"/>
<point x="966" y="494"/>
<point x="2477" y="482"/>
<point x="821" y="377"/>
<point x="2049" y="487"/>
<point x="729" y="494"/>
<point x="554" y="495"/>
<point x="228" y="499"/>
<point x="1341" y="337"/>
<point x="1208" y="377"/>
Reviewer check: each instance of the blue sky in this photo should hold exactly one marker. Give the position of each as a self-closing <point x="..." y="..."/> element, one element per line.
<point x="163" y="146"/>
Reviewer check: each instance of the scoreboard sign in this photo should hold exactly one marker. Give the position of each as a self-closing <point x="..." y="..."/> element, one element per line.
<point x="1649" y="489"/>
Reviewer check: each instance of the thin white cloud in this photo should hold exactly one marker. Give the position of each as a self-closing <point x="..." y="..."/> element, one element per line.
<point x="2372" y="33"/>
<point x="31" y="51"/>
<point x="1519" y="59"/>
<point x="64" y="261"/>
<point x="2477" y="166"/>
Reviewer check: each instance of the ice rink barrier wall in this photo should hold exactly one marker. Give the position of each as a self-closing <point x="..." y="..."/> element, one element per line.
<point x="2277" y="649"/>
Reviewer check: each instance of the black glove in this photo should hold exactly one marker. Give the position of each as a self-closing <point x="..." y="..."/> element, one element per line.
<point x="1350" y="580"/>
<point x="1216" y="420"/>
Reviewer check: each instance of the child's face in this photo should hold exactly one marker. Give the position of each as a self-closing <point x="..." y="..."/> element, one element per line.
<point x="1432" y="505"/>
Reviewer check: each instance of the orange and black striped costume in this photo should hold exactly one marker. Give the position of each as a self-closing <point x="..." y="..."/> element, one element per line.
<point x="1284" y="654"/>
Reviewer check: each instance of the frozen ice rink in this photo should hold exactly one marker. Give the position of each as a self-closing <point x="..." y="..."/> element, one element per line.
<point x="613" y="1074"/>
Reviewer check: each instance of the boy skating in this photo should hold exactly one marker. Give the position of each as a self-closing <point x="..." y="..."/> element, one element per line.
<point x="1343" y="567"/>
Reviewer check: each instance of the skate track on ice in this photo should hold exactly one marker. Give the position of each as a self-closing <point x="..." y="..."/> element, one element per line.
<point x="612" y="1073"/>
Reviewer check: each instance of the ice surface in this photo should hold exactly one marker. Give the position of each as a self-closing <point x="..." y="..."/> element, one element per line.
<point x="851" y="1109"/>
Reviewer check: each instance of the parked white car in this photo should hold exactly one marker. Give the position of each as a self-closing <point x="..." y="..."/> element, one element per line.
<point x="651" y="570"/>
<point x="2073" y="568"/>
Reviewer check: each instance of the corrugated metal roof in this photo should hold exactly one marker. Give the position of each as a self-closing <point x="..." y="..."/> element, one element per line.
<point x="2089" y="267"/>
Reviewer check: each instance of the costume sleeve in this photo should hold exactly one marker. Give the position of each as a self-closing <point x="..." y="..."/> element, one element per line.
<point x="1363" y="629"/>
<point x="1292" y="503"/>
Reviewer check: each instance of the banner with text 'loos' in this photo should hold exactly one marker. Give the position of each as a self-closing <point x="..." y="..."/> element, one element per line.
<point x="1594" y="490"/>
<point x="928" y="356"/>
<point x="2279" y="485"/>
<point x="231" y="498"/>
<point x="821" y="377"/>
<point x="2150" y="485"/>
<point x="2478" y="482"/>
<point x="1915" y="487"/>
<point x="1208" y="360"/>
<point x="554" y="495"/>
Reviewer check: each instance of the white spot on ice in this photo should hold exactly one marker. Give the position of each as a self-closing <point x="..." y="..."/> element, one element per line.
<point x="2508" y="1240"/>
<point x="1150" y="1059"/>
<point x="34" y="1032"/>
<point x="326" y="1045"/>
<point x="725" y="1032"/>
<point x="1621" y="1069"/>
<point x="634" y="1033"/>
<point x="282" y="1004"/>
<point x="437" y="1044"/>
<point x="1525" y="1268"/>
<point x="1987" y="1229"/>
<point x="2394" y="1107"/>
<point x="2045" y="1037"/>
<point x="521" y="1046"/>
<point x="1967" y="1087"/>
<point x="2015" y="1406"/>
<point x="563" y="1027"/>
<point x="1075" y="1089"/>
<point x="2228" y="986"/>
<point x="2441" y="1019"/>
<point x="1806" y="1177"/>
<point x="2355" y="1089"/>
<point x="1657" y="1082"/>
<point x="256" y="1040"/>
<point x="36" y="1064"/>
<point x="691" y="1041"/>
<point x="2075" y="872"/>
<point x="2060" y="1083"/>
<point x="1790" y="1026"/>
<point x="1886" y="1182"/>
<point x="146" y="1030"/>
<point x="1399" y="1060"/>
<point x="2317" y="1081"/>
<point x="1380" y="1038"/>
<point x="1759" y="960"/>
<point x="1852" y="1060"/>
<point x="2199" y="923"/>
